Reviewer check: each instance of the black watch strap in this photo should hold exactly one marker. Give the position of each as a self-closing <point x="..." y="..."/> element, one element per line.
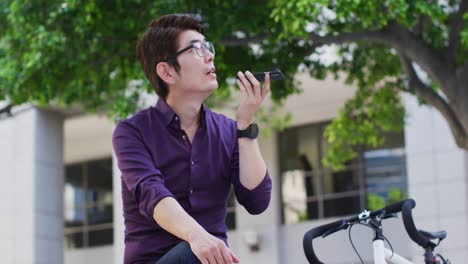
<point x="250" y="132"/>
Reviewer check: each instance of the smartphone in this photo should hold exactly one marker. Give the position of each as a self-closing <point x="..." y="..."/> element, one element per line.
<point x="275" y="75"/>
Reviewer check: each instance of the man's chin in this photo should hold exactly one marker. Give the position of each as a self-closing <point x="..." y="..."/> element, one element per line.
<point x="214" y="86"/>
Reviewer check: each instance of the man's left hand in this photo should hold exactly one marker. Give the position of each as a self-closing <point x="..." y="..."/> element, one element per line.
<point x="252" y="96"/>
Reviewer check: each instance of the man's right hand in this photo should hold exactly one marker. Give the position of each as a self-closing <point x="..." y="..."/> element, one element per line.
<point x="210" y="249"/>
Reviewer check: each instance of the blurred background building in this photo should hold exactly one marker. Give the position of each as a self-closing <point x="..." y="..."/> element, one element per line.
<point x="61" y="197"/>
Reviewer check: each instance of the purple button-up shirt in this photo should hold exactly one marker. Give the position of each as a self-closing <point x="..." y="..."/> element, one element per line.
<point x="157" y="160"/>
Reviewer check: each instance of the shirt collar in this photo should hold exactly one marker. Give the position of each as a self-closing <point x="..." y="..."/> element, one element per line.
<point x="169" y="116"/>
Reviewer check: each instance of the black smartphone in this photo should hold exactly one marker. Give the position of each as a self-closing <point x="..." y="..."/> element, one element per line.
<point x="275" y="75"/>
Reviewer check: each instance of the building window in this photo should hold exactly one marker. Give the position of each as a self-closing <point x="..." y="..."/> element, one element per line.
<point x="310" y="191"/>
<point x="88" y="204"/>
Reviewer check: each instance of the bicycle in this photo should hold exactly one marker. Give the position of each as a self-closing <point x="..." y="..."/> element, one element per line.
<point x="373" y="220"/>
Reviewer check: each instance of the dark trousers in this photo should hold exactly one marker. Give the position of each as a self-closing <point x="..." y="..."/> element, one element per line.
<point x="180" y="254"/>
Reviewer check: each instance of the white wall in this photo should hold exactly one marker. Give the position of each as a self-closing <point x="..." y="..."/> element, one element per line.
<point x="319" y="101"/>
<point x="87" y="137"/>
<point x="437" y="178"/>
<point x="103" y="254"/>
<point x="31" y="200"/>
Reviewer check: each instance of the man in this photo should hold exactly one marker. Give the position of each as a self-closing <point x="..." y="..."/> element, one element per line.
<point x="179" y="159"/>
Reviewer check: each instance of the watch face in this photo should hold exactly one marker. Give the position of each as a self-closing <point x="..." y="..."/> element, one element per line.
<point x="253" y="131"/>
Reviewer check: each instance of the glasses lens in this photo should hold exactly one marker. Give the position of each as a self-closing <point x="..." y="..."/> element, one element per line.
<point x="203" y="47"/>
<point x="210" y="47"/>
<point x="198" y="48"/>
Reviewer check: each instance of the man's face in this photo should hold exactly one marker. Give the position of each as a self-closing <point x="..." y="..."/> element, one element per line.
<point x="197" y="70"/>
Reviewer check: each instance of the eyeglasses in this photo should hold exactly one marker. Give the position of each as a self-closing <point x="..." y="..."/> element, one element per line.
<point x="202" y="48"/>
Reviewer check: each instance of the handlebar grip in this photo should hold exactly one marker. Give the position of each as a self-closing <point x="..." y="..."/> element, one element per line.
<point x="314" y="233"/>
<point x="409" y="224"/>
<point x="397" y="207"/>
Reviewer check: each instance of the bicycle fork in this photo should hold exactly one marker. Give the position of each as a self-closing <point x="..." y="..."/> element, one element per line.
<point x="381" y="254"/>
<point x="378" y="242"/>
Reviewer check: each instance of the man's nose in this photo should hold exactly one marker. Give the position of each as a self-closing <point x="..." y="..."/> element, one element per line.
<point x="208" y="56"/>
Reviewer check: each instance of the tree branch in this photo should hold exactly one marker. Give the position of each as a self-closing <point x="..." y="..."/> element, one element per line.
<point x="455" y="28"/>
<point x="6" y="110"/>
<point x="232" y="42"/>
<point x="400" y="38"/>
<point x="418" y="29"/>
<point x="434" y="99"/>
<point x="376" y="36"/>
<point x="429" y="59"/>
<point x="321" y="40"/>
<point x="397" y="37"/>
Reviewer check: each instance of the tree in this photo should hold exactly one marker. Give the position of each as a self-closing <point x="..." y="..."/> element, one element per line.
<point x="82" y="52"/>
<point x="382" y="44"/>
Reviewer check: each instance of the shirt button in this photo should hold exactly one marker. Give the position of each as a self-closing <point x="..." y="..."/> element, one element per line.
<point x="177" y="118"/>
<point x="193" y="162"/>
<point x="191" y="191"/>
<point x="184" y="137"/>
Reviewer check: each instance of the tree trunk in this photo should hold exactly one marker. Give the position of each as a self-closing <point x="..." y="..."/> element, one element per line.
<point x="461" y="104"/>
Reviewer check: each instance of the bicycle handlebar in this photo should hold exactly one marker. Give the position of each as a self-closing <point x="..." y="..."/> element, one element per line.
<point x="316" y="232"/>
<point x="408" y="222"/>
<point x="342" y="224"/>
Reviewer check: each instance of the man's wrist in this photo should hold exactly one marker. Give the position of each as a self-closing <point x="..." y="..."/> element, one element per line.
<point x="243" y="124"/>
<point x="194" y="234"/>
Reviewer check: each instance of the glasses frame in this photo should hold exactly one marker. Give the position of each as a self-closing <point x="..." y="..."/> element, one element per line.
<point x="207" y="45"/>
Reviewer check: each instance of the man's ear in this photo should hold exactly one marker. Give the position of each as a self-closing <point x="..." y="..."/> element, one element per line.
<point x="165" y="72"/>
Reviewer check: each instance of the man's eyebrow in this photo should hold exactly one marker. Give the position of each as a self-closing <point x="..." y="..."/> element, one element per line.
<point x="197" y="40"/>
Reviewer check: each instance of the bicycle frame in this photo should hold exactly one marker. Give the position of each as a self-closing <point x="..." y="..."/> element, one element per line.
<point x="381" y="254"/>
<point x="395" y="258"/>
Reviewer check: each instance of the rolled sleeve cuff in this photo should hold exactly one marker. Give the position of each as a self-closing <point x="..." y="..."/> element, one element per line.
<point x="150" y="198"/>
<point x="256" y="200"/>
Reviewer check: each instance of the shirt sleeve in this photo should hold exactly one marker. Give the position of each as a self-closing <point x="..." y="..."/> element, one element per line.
<point x="256" y="200"/>
<point x="139" y="174"/>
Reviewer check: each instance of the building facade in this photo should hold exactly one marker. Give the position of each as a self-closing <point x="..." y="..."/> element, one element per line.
<point x="61" y="201"/>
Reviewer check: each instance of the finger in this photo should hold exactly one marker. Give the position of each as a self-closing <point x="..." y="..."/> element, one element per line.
<point x="217" y="253"/>
<point x="242" y="88"/>
<point x="266" y="87"/>
<point x="211" y="258"/>
<point x="247" y="84"/>
<point x="235" y="259"/>
<point x="219" y="256"/>
<point x="226" y="255"/>
<point x="254" y="82"/>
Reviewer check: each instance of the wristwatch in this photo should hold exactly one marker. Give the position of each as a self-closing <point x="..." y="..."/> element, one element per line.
<point x="250" y="132"/>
